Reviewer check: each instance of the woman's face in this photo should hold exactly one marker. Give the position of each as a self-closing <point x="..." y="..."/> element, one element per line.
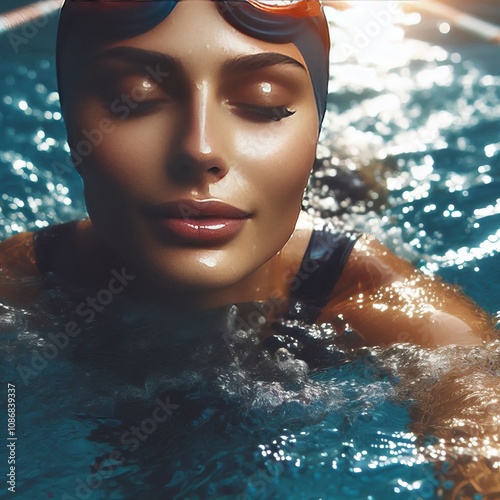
<point x="195" y="110"/>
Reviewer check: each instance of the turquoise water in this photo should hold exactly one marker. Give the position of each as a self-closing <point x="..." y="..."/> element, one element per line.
<point x="425" y="119"/>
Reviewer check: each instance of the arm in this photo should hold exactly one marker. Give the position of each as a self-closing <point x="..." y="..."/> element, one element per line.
<point x="387" y="301"/>
<point x="463" y="410"/>
<point x="19" y="277"/>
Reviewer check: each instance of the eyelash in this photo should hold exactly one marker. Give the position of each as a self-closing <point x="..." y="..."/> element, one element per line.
<point x="143" y="107"/>
<point x="275" y="113"/>
<point x="116" y="106"/>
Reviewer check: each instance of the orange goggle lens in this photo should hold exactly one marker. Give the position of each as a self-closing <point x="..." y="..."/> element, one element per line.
<point x="294" y="8"/>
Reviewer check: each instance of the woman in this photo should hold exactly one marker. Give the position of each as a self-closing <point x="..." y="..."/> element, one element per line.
<point x="195" y="151"/>
<point x="194" y="127"/>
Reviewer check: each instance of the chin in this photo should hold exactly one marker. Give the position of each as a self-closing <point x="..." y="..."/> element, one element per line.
<point x="209" y="271"/>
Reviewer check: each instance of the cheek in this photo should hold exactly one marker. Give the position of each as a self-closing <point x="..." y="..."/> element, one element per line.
<point x="279" y="160"/>
<point x="129" y="154"/>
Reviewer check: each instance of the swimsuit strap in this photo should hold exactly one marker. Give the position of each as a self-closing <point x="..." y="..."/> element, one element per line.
<point x="52" y="246"/>
<point x="323" y="262"/>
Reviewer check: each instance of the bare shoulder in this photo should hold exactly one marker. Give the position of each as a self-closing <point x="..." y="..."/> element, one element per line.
<point x="388" y="301"/>
<point x="19" y="276"/>
<point x="371" y="264"/>
<point x="17" y="255"/>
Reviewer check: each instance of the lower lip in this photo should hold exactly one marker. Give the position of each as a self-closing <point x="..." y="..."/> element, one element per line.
<point x="209" y="230"/>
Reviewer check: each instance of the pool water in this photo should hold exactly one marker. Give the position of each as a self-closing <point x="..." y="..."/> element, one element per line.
<point x="422" y="121"/>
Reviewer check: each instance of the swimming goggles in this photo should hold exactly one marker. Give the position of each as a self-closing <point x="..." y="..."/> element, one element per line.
<point x="271" y="20"/>
<point x="293" y="8"/>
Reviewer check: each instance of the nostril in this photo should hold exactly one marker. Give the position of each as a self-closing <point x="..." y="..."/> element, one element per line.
<point x="214" y="170"/>
<point x="185" y="169"/>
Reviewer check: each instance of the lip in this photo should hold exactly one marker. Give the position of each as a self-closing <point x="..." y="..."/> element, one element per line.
<point x="199" y="221"/>
<point x="198" y="209"/>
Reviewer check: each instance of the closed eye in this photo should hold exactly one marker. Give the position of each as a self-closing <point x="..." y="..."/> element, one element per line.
<point x="145" y="107"/>
<point x="263" y="113"/>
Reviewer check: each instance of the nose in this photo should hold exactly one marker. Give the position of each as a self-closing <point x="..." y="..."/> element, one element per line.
<point x="203" y="142"/>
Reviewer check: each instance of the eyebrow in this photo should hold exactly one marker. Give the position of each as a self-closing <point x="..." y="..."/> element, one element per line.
<point x="253" y="62"/>
<point x="139" y="57"/>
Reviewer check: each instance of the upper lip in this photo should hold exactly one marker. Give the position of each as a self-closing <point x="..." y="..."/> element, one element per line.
<point x="192" y="209"/>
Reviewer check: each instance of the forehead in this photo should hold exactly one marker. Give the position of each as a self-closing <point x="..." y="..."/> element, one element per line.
<point x="196" y="33"/>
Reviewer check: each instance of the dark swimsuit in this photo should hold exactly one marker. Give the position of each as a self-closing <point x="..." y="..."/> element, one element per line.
<point x="323" y="262"/>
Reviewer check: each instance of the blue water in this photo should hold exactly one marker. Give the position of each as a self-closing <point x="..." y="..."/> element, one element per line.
<point x="420" y="116"/>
